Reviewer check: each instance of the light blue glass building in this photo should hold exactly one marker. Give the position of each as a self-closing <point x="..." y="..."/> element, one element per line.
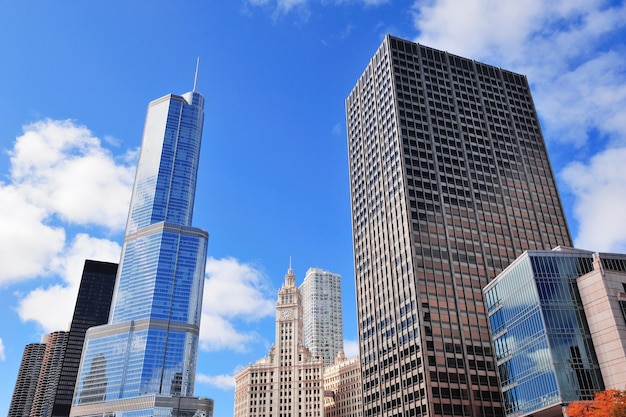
<point x="143" y="362"/>
<point x="544" y="349"/>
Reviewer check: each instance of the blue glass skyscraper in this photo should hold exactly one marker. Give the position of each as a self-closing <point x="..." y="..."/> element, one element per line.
<point x="142" y="363"/>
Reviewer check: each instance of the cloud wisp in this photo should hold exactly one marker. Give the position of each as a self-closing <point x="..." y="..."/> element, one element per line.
<point x="61" y="179"/>
<point x="235" y="295"/>
<point x="222" y="381"/>
<point x="600" y="189"/>
<point x="302" y="8"/>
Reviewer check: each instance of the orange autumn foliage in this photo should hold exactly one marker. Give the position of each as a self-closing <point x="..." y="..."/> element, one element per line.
<point x="609" y="403"/>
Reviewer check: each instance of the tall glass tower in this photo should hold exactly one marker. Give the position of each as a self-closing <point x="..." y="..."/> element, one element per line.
<point x="142" y="363"/>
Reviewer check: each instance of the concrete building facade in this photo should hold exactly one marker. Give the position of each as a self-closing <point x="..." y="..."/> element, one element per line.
<point x="450" y="181"/>
<point x="343" y="392"/>
<point x="26" y="382"/>
<point x="49" y="374"/>
<point x="603" y="294"/>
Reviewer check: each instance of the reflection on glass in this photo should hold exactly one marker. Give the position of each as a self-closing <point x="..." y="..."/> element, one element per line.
<point x="540" y="334"/>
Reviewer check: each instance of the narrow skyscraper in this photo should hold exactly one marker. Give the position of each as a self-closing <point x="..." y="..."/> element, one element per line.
<point x="49" y="374"/>
<point x="450" y="181"/>
<point x="322" y="318"/>
<point x="27" y="377"/>
<point x="92" y="309"/>
<point x="143" y="362"/>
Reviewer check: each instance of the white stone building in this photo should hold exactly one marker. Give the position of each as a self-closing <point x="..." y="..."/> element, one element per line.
<point x="287" y="382"/>
<point x="342" y="388"/>
<point x="323" y="321"/>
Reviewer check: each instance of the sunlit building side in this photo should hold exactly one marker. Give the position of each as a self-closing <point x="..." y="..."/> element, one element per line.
<point x="545" y="350"/>
<point x="323" y="319"/>
<point x="343" y="394"/>
<point x="143" y="362"/>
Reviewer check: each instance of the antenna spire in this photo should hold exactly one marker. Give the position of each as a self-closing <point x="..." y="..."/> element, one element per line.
<point x="195" y="78"/>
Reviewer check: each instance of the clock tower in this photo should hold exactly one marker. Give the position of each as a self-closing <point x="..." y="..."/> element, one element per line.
<point x="288" y="382"/>
<point x="289" y="323"/>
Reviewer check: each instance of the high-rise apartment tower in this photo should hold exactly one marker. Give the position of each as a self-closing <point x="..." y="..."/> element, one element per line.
<point x="323" y="323"/>
<point x="143" y="362"/>
<point x="26" y="382"/>
<point x="49" y="374"/>
<point x="450" y="182"/>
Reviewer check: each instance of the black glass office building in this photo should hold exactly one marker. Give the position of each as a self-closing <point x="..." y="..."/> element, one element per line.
<point x="92" y="309"/>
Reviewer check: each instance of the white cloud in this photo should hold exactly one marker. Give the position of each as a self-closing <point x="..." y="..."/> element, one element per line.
<point x="27" y="244"/>
<point x="60" y="175"/>
<point x="599" y="188"/>
<point x="351" y="348"/>
<point x="2" y="355"/>
<point x="235" y="293"/>
<point x="224" y="382"/>
<point x="217" y="333"/>
<point x="475" y="27"/>
<point x="235" y="289"/>
<point x="62" y="167"/>
<point x="590" y="97"/>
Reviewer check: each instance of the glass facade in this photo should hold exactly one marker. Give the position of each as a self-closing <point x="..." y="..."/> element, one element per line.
<point x="542" y="342"/>
<point x="92" y="309"/>
<point x="147" y="352"/>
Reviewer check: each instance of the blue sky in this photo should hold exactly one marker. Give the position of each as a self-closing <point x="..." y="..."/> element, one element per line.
<point x="76" y="78"/>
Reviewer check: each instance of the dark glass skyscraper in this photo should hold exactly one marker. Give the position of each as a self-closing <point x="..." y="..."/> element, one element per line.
<point x="143" y="362"/>
<point x="92" y="309"/>
<point x="450" y="182"/>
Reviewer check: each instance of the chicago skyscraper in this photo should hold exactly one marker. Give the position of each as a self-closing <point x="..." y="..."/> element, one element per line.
<point x="143" y="361"/>
<point x="322" y="318"/>
<point x="450" y="182"/>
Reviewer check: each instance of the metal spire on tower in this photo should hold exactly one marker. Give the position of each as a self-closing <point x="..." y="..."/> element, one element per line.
<point x="195" y="78"/>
